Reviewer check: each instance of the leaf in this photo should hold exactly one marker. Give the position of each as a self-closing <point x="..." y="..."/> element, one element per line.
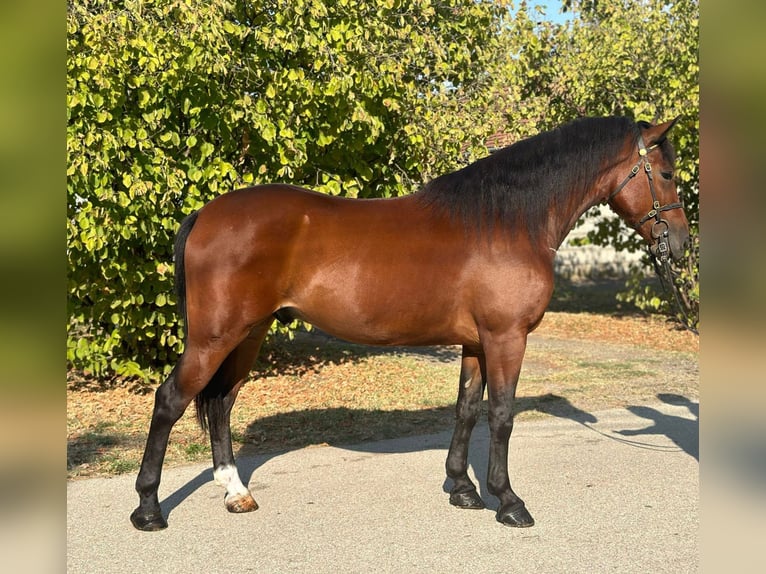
<point x="269" y="132"/>
<point x="206" y="149"/>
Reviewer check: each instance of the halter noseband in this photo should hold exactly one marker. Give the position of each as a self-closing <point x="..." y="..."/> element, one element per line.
<point x="661" y="248"/>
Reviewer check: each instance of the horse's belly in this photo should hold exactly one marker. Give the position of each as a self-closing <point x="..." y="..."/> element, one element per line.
<point x="391" y="333"/>
<point x="380" y="313"/>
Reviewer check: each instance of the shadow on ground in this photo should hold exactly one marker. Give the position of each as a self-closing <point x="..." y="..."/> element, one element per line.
<point x="309" y="350"/>
<point x="321" y="426"/>
<point x="97" y="444"/>
<point x="682" y="431"/>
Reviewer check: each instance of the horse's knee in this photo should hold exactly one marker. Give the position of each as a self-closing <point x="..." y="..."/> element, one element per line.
<point x="500" y="428"/>
<point x="468" y="415"/>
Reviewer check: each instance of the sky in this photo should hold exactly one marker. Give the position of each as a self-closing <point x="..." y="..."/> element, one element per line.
<point x="552" y="10"/>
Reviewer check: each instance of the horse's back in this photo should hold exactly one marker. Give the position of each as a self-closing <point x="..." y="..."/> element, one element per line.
<point x="360" y="269"/>
<point x="389" y="271"/>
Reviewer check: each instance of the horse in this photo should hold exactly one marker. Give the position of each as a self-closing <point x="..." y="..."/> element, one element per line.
<point x="466" y="260"/>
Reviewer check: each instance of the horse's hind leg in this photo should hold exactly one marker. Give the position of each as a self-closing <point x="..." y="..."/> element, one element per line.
<point x="191" y="374"/>
<point x="217" y="410"/>
<point x="463" y="493"/>
<point x="168" y="408"/>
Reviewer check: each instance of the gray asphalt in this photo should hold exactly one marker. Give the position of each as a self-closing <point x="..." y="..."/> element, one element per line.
<point x="617" y="492"/>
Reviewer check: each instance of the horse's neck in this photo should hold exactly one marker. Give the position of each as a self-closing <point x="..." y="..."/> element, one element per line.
<point x="565" y="218"/>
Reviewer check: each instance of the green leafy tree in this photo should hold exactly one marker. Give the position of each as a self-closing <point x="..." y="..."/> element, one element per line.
<point x="172" y="102"/>
<point x="649" y="71"/>
<point x="637" y="58"/>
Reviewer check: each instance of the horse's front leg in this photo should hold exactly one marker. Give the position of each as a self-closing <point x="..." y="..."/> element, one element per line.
<point x="463" y="493"/>
<point x="504" y="355"/>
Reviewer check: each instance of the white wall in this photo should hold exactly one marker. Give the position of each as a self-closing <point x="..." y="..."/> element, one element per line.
<point x="591" y="261"/>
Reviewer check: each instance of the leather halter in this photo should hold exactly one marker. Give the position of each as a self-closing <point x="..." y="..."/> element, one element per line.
<point x="660" y="249"/>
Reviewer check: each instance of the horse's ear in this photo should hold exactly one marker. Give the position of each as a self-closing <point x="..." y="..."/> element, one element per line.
<point x="655" y="135"/>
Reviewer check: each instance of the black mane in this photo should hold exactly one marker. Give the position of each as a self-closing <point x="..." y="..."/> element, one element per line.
<point x="516" y="186"/>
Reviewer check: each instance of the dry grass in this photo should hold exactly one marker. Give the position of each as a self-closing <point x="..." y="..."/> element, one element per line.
<point x="317" y="391"/>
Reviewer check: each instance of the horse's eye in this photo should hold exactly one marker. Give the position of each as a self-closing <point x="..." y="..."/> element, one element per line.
<point x="667" y="175"/>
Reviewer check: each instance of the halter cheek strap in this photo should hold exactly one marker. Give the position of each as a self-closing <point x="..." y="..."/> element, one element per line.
<point x="660" y="235"/>
<point x="642" y="152"/>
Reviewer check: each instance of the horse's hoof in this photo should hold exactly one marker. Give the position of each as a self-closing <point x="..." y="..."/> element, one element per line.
<point x="241" y="503"/>
<point x="148" y="522"/>
<point x="516" y="515"/>
<point x="470" y="500"/>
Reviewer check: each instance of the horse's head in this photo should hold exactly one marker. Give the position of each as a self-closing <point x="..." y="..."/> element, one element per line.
<point x="647" y="198"/>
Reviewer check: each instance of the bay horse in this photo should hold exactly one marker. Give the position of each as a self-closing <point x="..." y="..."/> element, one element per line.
<point x="467" y="260"/>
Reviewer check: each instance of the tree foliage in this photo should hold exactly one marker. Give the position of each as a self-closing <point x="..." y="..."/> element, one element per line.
<point x="649" y="71"/>
<point x="171" y="102"/>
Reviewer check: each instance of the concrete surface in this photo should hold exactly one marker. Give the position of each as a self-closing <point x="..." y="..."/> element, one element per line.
<point x="614" y="494"/>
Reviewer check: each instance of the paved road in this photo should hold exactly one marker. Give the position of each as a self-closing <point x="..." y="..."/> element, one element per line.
<point x="615" y="493"/>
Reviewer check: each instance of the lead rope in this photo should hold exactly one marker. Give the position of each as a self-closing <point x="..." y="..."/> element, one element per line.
<point x="665" y="272"/>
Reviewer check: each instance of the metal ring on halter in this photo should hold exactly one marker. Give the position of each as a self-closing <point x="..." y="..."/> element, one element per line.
<point x="665" y="232"/>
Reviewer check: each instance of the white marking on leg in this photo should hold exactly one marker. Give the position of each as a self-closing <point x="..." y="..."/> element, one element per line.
<point x="228" y="477"/>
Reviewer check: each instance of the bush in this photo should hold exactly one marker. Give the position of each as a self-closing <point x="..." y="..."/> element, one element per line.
<point x="172" y="102"/>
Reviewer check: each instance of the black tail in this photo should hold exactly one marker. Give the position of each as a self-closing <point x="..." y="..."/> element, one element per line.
<point x="209" y="403"/>
<point x="180" y="276"/>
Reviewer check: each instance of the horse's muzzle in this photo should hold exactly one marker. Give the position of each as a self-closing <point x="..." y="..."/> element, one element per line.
<point x="667" y="242"/>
